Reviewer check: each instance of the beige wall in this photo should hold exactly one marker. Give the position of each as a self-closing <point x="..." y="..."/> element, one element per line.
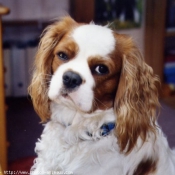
<point x="36" y="9"/>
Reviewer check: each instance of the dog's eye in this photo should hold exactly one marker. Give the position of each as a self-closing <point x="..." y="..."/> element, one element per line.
<point x="62" y="56"/>
<point x="101" y="69"/>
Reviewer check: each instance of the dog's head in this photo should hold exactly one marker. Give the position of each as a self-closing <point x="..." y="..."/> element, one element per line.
<point x="90" y="67"/>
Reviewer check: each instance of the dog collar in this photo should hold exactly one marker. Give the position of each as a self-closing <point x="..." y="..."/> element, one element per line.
<point x="107" y="128"/>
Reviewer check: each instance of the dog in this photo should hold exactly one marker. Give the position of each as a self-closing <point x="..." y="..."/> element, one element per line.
<point x="98" y="98"/>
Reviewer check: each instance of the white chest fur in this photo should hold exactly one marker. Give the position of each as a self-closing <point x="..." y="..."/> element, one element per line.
<point x="66" y="146"/>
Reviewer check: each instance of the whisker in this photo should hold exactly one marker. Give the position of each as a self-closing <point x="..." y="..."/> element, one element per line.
<point x="48" y="75"/>
<point x="46" y="82"/>
<point x="95" y="103"/>
<point x="101" y="102"/>
<point x="44" y="75"/>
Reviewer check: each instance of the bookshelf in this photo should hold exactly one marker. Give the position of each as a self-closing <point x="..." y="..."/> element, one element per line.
<point x="156" y="37"/>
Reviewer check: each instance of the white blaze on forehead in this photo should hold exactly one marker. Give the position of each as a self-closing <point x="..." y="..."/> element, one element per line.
<point x="94" y="40"/>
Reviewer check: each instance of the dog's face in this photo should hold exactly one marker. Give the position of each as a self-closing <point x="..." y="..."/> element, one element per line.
<point x="88" y="67"/>
<point x="85" y="69"/>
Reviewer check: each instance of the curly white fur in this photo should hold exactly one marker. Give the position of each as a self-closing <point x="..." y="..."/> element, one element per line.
<point x="66" y="147"/>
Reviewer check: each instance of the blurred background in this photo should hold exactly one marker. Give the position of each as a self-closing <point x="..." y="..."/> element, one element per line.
<point x="150" y="23"/>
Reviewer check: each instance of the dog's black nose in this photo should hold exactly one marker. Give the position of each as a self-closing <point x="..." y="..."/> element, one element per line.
<point x="71" y="79"/>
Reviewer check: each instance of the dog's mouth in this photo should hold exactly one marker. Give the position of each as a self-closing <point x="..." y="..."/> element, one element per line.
<point x="65" y="93"/>
<point x="69" y="95"/>
<point x="75" y="98"/>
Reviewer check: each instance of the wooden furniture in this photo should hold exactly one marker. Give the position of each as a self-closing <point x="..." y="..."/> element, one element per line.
<point x="82" y="11"/>
<point x="155" y="16"/>
<point x="3" y="142"/>
<point x="155" y="36"/>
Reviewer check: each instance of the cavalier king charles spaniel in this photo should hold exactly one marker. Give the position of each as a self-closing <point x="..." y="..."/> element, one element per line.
<point x="98" y="98"/>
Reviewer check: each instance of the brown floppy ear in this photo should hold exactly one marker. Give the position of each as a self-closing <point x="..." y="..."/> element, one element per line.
<point x="136" y="99"/>
<point x="42" y="66"/>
